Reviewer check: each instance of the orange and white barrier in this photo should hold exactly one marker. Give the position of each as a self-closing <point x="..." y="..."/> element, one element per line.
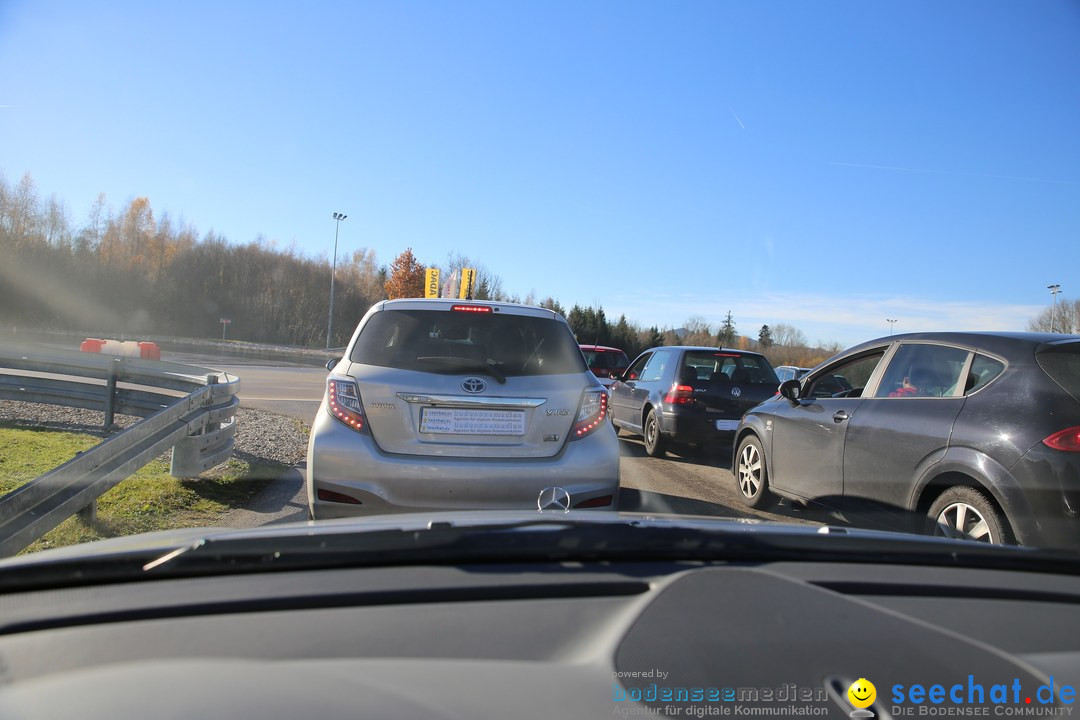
<point x="122" y="348"/>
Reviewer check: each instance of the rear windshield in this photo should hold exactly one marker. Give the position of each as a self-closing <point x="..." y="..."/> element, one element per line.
<point x="456" y="342"/>
<point x="606" y="359"/>
<point x="741" y="369"/>
<point x="1062" y="364"/>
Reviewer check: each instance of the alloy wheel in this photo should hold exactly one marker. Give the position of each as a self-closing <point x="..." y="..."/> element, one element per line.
<point x="961" y="520"/>
<point x="750" y="470"/>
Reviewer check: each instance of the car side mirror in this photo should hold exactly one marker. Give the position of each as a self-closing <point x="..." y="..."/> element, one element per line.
<point x="790" y="390"/>
<point x="332" y="363"/>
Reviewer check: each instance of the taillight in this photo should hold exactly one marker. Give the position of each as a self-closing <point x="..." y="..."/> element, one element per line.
<point x="471" y="308"/>
<point x="343" y="402"/>
<point x="679" y="395"/>
<point x="1067" y="440"/>
<point x="592" y="413"/>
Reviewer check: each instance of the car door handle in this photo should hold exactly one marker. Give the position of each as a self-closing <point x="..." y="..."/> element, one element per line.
<point x="839" y="416"/>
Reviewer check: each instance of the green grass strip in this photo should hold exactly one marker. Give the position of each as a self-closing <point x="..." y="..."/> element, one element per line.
<point x="149" y="500"/>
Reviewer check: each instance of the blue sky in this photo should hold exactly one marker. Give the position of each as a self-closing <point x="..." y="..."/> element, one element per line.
<point x="827" y="164"/>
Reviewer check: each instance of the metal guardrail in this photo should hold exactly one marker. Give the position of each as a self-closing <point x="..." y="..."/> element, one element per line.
<point x="196" y="419"/>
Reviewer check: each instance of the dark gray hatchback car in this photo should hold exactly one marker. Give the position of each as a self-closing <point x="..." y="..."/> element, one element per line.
<point x="977" y="432"/>
<point x="686" y="394"/>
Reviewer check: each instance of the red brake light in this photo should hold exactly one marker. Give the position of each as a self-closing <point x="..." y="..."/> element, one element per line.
<point x="1067" y="440"/>
<point x="679" y="395"/>
<point x="343" y="402"/>
<point x="471" y="308"/>
<point x="591" y="415"/>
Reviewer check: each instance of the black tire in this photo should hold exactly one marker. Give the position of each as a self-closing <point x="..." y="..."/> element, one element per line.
<point x="964" y="512"/>
<point x="655" y="444"/>
<point x="752" y="475"/>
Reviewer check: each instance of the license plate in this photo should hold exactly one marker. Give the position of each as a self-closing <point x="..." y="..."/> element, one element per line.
<point x="727" y="424"/>
<point x="461" y="421"/>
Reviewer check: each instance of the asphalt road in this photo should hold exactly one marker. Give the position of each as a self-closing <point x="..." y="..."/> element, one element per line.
<point x="684" y="482"/>
<point x="291" y="390"/>
<point x="687" y="482"/>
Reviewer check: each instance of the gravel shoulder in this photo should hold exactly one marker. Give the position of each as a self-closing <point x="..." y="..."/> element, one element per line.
<point x="260" y="434"/>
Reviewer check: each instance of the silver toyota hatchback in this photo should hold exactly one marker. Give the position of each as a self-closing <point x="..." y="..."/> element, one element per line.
<point x="454" y="404"/>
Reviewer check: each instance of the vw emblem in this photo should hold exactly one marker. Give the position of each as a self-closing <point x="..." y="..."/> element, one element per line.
<point x="473" y="385"/>
<point x="553" y="499"/>
<point x="736" y="392"/>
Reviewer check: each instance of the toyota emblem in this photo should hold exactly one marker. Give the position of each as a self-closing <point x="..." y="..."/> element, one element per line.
<point x="473" y="385"/>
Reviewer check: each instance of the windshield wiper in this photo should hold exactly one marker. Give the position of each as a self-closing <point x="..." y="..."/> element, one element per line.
<point x="449" y="364"/>
<point x="539" y="540"/>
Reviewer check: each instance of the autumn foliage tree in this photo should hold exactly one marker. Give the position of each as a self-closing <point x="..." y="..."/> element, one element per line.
<point x="134" y="273"/>
<point x="406" y="277"/>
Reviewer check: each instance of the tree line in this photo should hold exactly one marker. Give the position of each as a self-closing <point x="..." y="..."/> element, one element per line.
<point x="1064" y="317"/>
<point x="134" y="272"/>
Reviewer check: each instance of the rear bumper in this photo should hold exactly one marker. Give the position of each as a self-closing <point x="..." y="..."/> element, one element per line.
<point x="696" y="427"/>
<point x="1050" y="482"/>
<point x="340" y="460"/>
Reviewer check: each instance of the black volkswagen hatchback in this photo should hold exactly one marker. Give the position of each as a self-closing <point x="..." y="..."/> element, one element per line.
<point x="979" y="432"/>
<point x="693" y="395"/>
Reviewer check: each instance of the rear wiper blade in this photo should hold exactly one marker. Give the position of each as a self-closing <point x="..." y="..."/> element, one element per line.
<point x="455" y="363"/>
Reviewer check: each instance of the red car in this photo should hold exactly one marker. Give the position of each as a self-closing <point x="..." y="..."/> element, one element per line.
<point x="606" y="363"/>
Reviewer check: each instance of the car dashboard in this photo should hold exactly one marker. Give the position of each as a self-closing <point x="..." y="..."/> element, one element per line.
<point x="553" y="640"/>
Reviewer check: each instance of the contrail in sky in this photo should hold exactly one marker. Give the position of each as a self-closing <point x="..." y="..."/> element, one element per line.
<point x="952" y="172"/>
<point x="736" y="116"/>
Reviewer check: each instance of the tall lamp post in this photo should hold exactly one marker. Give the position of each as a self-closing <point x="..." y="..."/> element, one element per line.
<point x="892" y="322"/>
<point x="338" y="217"/>
<point x="1054" y="290"/>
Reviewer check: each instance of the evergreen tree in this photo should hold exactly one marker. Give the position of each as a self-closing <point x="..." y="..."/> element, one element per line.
<point x="726" y="336"/>
<point x="764" y="337"/>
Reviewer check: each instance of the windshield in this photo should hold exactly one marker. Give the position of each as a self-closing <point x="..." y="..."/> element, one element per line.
<point x="752" y="369"/>
<point x="602" y="360"/>
<point x="336" y="263"/>
<point x="416" y="339"/>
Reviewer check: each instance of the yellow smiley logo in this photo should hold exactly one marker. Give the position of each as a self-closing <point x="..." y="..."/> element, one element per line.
<point x="862" y="692"/>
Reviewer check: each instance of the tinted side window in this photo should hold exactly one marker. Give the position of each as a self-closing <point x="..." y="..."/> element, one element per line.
<point x="655" y="369"/>
<point x="845" y="379"/>
<point x="920" y="370"/>
<point x="983" y="370"/>
<point x="449" y="342"/>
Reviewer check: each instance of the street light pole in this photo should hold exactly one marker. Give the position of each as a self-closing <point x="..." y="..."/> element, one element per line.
<point x="338" y="217"/>
<point x="892" y="322"/>
<point x="1054" y="290"/>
